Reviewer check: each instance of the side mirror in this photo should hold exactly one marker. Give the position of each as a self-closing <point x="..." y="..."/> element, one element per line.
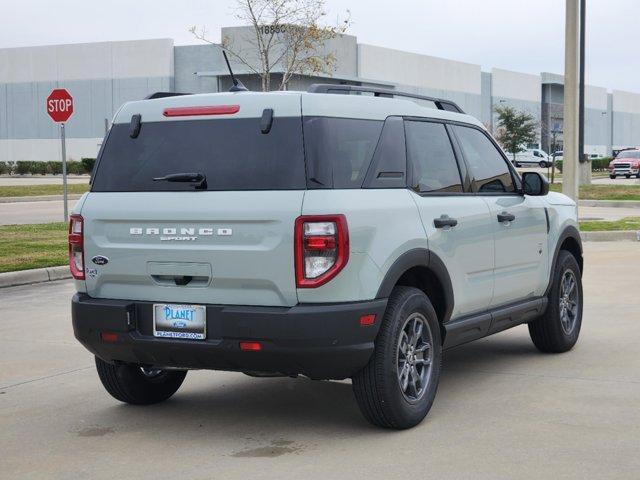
<point x="535" y="184"/>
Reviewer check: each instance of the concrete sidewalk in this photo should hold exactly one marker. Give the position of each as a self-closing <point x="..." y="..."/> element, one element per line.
<point x="18" y="180"/>
<point x="22" y="213"/>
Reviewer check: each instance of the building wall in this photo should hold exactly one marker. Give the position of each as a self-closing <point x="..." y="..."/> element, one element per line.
<point x="103" y="76"/>
<point x="486" y="115"/>
<point x="423" y="74"/>
<point x="626" y="119"/>
<point x="100" y="77"/>
<point x="596" y="124"/>
<point x="597" y="120"/>
<point x="190" y="59"/>
<point x="521" y="91"/>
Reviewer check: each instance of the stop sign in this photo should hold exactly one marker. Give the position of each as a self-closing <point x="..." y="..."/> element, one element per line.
<point x="60" y="105"/>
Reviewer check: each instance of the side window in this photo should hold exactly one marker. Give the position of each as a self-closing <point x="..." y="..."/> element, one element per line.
<point x="431" y="158"/>
<point x="488" y="169"/>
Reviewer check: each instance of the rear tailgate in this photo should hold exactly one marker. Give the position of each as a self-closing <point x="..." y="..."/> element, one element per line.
<point x="228" y="240"/>
<point x="236" y="246"/>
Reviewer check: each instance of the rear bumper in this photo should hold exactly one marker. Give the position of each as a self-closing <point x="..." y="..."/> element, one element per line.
<point x="319" y="341"/>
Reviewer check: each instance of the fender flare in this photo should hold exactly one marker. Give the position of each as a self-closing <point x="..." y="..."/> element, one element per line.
<point x="419" y="257"/>
<point x="568" y="232"/>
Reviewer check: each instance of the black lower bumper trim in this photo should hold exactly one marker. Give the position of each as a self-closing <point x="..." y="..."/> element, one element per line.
<point x="320" y="340"/>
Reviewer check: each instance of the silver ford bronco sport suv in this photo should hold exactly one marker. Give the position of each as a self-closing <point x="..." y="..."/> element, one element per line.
<point x="343" y="232"/>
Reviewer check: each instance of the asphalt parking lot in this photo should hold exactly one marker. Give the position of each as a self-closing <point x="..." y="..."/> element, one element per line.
<point x="503" y="410"/>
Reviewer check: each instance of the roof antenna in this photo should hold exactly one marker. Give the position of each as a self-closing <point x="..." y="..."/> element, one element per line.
<point x="237" y="84"/>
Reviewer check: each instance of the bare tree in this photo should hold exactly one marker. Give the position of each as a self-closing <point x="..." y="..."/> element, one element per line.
<point x="287" y="37"/>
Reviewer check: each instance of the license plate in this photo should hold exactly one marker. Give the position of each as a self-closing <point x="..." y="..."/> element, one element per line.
<point x="179" y="321"/>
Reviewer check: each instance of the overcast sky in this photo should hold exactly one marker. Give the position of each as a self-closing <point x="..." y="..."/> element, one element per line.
<point x="522" y="35"/>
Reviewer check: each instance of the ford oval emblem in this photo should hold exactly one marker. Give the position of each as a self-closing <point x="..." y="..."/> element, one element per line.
<point x="100" y="260"/>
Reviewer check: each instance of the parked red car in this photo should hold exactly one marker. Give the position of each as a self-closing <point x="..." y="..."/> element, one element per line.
<point x="627" y="163"/>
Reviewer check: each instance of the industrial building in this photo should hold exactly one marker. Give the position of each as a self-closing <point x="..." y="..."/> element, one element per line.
<point x="102" y="76"/>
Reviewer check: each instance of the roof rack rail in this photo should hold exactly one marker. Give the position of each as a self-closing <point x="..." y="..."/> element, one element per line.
<point x="165" y="94"/>
<point x="441" y="103"/>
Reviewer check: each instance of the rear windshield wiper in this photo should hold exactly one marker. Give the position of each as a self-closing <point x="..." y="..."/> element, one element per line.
<point x="199" y="180"/>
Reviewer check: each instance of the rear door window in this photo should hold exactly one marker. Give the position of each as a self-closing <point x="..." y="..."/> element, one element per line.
<point x="233" y="154"/>
<point x="488" y="168"/>
<point x="431" y="158"/>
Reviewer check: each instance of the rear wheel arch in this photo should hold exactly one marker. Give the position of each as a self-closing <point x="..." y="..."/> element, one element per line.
<point x="422" y="269"/>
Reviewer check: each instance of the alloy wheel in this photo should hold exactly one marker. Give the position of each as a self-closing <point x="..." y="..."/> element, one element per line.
<point x="568" y="302"/>
<point x="414" y="357"/>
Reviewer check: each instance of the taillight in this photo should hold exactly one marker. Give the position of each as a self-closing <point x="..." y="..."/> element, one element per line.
<point x="321" y="248"/>
<point x="76" y="246"/>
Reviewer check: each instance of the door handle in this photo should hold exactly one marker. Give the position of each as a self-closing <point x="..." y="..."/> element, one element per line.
<point x="444" y="221"/>
<point x="506" y="217"/>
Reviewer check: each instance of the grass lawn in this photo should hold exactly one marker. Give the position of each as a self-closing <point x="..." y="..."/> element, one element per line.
<point x="605" y="192"/>
<point x="32" y="190"/>
<point x="32" y="246"/>
<point x="629" y="223"/>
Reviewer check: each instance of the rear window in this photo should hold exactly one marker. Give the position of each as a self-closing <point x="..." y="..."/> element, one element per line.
<point x="339" y="150"/>
<point x="233" y="154"/>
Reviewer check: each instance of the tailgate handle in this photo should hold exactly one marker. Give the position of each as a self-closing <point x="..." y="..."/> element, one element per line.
<point x="180" y="274"/>
<point x="183" y="280"/>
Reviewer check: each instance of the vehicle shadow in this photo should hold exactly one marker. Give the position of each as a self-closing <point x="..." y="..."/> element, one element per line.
<point x="218" y="404"/>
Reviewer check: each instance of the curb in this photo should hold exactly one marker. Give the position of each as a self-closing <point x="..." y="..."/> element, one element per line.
<point x="36" y="275"/>
<point x="39" y="198"/>
<point x="610" y="203"/>
<point x="612" y="236"/>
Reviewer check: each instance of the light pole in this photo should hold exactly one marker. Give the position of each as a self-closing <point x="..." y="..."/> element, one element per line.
<point x="571" y="101"/>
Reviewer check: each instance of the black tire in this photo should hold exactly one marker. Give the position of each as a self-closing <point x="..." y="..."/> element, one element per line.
<point x="542" y="164"/>
<point x="549" y="333"/>
<point x="612" y="176"/>
<point x="129" y="384"/>
<point x="627" y="176"/>
<point x="517" y="165"/>
<point x="377" y="386"/>
<point x="638" y="175"/>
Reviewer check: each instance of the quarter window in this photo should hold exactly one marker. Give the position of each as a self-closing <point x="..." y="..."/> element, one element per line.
<point x="431" y="158"/>
<point x="339" y="150"/>
<point x="488" y="168"/>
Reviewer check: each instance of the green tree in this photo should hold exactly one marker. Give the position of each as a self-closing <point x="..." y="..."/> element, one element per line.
<point x="515" y="129"/>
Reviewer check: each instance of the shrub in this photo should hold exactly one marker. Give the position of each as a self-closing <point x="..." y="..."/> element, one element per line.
<point x="600" y="164"/>
<point x="39" y="168"/>
<point x="597" y="164"/>
<point x="54" y="168"/>
<point x="87" y="164"/>
<point x="75" y="168"/>
<point x="5" y="168"/>
<point x="23" y="167"/>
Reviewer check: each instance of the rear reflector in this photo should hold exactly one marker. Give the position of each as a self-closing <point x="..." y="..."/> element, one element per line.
<point x="250" y="346"/>
<point x="205" y="110"/>
<point x="109" y="337"/>
<point x="367" y="320"/>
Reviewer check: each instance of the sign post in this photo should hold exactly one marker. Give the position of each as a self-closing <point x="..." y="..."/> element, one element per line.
<point x="60" y="109"/>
